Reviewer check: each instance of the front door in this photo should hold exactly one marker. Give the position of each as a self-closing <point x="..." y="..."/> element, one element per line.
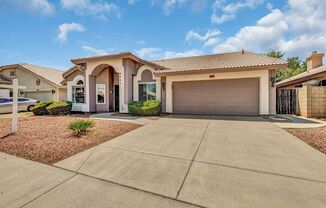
<point x="116" y="97"/>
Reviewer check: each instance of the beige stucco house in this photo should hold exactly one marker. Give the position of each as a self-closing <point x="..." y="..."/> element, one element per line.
<point x="41" y="83"/>
<point x="238" y="83"/>
<point x="315" y="74"/>
<point x="310" y="88"/>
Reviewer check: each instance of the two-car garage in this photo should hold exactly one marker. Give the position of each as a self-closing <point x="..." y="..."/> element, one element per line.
<point x="221" y="97"/>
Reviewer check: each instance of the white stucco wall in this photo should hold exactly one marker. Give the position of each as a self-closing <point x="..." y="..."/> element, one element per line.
<point x="137" y="78"/>
<point x="263" y="76"/>
<point x="118" y="67"/>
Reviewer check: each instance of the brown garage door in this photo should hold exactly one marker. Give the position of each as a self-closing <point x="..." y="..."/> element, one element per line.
<point x="224" y="97"/>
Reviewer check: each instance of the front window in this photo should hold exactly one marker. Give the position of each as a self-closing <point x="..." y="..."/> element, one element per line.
<point x="100" y="93"/>
<point x="78" y="92"/>
<point x="147" y="91"/>
<point x="13" y="73"/>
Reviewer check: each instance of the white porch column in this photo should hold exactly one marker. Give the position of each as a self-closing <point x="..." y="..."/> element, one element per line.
<point x="87" y="93"/>
<point x="123" y="107"/>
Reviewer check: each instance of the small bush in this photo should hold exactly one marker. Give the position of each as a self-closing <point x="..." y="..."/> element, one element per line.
<point x="80" y="127"/>
<point x="59" y="108"/>
<point x="40" y="108"/>
<point x="145" y="108"/>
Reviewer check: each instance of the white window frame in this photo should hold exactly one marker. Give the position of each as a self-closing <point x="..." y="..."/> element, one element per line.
<point x="102" y="85"/>
<point x="73" y="92"/>
<point x="139" y="83"/>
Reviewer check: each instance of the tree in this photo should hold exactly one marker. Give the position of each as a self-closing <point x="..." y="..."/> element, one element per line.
<point x="275" y="54"/>
<point x="295" y="66"/>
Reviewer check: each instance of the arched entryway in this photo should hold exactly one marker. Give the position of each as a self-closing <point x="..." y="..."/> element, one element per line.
<point x="104" y="88"/>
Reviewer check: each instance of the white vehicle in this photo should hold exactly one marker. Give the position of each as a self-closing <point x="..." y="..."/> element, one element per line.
<point x="24" y="104"/>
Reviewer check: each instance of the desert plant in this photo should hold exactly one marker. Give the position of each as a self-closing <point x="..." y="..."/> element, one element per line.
<point x="40" y="108"/>
<point x="59" y="108"/>
<point x="145" y="108"/>
<point x="80" y="126"/>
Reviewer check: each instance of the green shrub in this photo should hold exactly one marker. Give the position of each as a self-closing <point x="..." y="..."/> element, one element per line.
<point x="145" y="108"/>
<point x="80" y="127"/>
<point x="40" y="108"/>
<point x="59" y="108"/>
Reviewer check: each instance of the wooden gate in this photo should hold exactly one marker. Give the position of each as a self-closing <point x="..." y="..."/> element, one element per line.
<point x="286" y="101"/>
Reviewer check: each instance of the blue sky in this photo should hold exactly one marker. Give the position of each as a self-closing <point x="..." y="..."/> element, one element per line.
<point x="51" y="32"/>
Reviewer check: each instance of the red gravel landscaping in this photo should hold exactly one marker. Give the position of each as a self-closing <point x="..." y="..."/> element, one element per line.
<point x="47" y="139"/>
<point x="315" y="137"/>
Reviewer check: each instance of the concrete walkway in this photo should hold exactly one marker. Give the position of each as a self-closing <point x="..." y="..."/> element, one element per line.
<point x="179" y="162"/>
<point x="125" y="118"/>
<point x="293" y="121"/>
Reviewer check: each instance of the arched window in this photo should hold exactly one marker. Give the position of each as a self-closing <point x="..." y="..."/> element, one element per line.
<point x="78" y="92"/>
<point x="147" y="86"/>
<point x="80" y="82"/>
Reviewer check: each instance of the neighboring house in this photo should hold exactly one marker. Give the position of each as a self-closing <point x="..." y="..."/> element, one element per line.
<point x="238" y="83"/>
<point x="41" y="83"/>
<point x="315" y="74"/>
<point x="310" y="93"/>
<point x="4" y="92"/>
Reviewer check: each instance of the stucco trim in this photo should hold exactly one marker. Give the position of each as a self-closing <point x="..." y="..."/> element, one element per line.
<point x="137" y="79"/>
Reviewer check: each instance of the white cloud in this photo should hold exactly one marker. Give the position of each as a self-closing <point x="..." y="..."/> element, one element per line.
<point x="212" y="42"/>
<point x="297" y="30"/>
<point x="173" y="54"/>
<point x="94" y="50"/>
<point x="223" y="12"/>
<point x="98" y="9"/>
<point x="157" y="53"/>
<point x="269" y="6"/>
<point x="191" y="35"/>
<point x="169" y="5"/>
<point x="198" y="6"/>
<point x="148" y="53"/>
<point x="43" y="7"/>
<point x="66" y="28"/>
<point x="267" y="33"/>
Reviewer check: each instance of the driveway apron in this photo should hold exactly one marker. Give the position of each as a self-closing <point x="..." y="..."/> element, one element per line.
<point x="211" y="161"/>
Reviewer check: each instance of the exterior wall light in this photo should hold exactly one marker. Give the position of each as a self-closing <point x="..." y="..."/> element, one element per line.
<point x="273" y="81"/>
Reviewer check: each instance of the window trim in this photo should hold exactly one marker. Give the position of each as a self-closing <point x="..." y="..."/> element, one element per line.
<point x="73" y="91"/>
<point x="146" y="83"/>
<point x="97" y="85"/>
<point x="12" y="73"/>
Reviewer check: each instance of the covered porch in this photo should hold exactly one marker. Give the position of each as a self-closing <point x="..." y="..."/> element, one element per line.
<point x="108" y="84"/>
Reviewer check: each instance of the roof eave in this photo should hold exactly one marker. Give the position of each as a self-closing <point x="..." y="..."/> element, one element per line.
<point x="290" y="81"/>
<point x="94" y="58"/>
<point x="207" y="71"/>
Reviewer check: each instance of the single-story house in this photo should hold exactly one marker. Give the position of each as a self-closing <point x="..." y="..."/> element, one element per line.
<point x="237" y="83"/>
<point x="41" y="83"/>
<point x="315" y="74"/>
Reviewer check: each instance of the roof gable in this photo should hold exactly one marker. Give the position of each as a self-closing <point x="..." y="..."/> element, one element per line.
<point x="51" y="75"/>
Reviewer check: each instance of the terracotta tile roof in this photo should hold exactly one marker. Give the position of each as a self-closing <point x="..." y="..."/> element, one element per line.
<point x="304" y="76"/>
<point x="72" y="69"/>
<point x="232" y="60"/>
<point x="126" y="54"/>
<point x="222" y="61"/>
<point x="52" y="75"/>
<point x="115" y="55"/>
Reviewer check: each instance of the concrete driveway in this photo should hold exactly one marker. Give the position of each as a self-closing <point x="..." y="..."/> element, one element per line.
<point x="202" y="161"/>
